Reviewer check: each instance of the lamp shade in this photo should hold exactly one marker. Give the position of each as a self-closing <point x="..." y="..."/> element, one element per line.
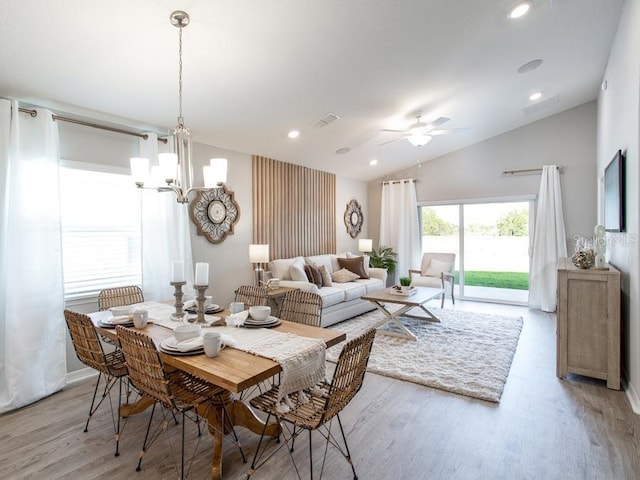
<point x="168" y="165"/>
<point x="218" y="171"/>
<point x="419" y="140"/>
<point x="258" y="253"/>
<point x="365" y="245"/>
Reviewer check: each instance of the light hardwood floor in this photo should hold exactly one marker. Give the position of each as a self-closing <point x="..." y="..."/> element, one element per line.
<point x="543" y="428"/>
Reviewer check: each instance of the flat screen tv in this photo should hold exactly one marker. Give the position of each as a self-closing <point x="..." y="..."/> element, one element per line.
<point x="614" y="194"/>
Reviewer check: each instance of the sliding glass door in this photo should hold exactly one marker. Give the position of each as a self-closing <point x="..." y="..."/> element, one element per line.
<point x="491" y="241"/>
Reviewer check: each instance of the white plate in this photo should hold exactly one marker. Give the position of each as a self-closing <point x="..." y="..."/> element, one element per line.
<point x="179" y="353"/>
<point x="274" y="323"/>
<point x="170" y="345"/>
<point x="253" y="321"/>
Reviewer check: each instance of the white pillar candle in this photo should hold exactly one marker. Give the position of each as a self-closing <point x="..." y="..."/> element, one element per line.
<point x="177" y="272"/>
<point x="202" y="274"/>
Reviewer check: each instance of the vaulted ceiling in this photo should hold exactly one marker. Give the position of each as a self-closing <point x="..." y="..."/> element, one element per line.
<point x="253" y="70"/>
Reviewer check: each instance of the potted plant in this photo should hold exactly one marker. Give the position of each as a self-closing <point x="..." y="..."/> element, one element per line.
<point x="385" y="258"/>
<point x="405" y="284"/>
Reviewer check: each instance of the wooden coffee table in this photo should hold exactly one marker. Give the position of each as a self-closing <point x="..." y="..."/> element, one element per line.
<point x="419" y="297"/>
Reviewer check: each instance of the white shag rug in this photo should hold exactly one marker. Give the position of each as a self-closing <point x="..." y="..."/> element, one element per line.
<point x="467" y="353"/>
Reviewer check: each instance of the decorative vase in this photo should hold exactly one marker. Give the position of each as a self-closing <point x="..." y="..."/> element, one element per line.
<point x="583" y="259"/>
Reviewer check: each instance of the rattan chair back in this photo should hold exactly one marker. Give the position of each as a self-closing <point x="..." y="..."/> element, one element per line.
<point x="86" y="341"/>
<point x="252" y="295"/>
<point x="146" y="370"/>
<point x="302" y="307"/>
<point x="349" y="373"/>
<point x="119" y="296"/>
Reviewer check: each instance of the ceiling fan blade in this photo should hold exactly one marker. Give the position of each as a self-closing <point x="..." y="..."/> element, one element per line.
<point x="437" y="122"/>
<point x="445" y="131"/>
<point x="394" y="140"/>
<point x="395" y="131"/>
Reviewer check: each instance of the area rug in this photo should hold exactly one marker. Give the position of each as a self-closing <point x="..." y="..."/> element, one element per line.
<point x="467" y="353"/>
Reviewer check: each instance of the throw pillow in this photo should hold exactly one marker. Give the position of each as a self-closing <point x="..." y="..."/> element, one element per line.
<point x="436" y="267"/>
<point x="355" y="265"/>
<point x="296" y="270"/>
<point x="343" y="276"/>
<point x="313" y="274"/>
<point x="326" y="276"/>
<point x="426" y="261"/>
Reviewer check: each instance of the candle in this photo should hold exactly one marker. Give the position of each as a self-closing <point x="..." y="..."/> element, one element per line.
<point x="202" y="273"/>
<point x="177" y="272"/>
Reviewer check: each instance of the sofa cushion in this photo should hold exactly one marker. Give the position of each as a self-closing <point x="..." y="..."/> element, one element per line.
<point x="326" y="276"/>
<point x="331" y="296"/>
<point x="433" y="282"/>
<point x="297" y="272"/>
<point x="352" y="290"/>
<point x="366" y="261"/>
<point x="321" y="260"/>
<point x="280" y="268"/>
<point x="371" y="285"/>
<point x="313" y="274"/>
<point x="334" y="261"/>
<point x="356" y="265"/>
<point x="343" y="275"/>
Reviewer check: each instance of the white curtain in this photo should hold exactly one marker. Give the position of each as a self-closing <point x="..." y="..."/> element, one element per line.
<point x="549" y="242"/>
<point x="399" y="227"/>
<point x="32" y="327"/>
<point x="165" y="235"/>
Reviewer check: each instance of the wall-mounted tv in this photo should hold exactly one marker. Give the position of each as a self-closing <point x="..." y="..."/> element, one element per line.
<point x="614" y="194"/>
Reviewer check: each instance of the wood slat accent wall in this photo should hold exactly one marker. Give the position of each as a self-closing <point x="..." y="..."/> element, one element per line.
<point x="294" y="208"/>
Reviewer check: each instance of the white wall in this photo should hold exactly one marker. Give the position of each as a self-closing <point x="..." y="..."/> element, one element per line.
<point x="618" y="128"/>
<point x="567" y="139"/>
<point x="348" y="189"/>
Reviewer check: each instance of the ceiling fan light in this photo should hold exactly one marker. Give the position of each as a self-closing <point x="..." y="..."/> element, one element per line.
<point x="419" y="140"/>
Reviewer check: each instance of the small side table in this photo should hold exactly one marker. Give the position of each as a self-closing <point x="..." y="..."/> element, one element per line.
<point x="275" y="298"/>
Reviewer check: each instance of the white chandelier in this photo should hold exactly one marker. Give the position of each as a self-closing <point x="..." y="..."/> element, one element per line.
<point x="175" y="169"/>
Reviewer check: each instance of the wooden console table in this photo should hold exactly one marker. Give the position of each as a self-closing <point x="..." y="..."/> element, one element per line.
<point x="588" y="336"/>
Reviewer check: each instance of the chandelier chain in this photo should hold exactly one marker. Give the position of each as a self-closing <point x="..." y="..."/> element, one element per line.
<point x="180" y="120"/>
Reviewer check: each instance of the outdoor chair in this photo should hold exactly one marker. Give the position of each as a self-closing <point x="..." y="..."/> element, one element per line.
<point x="325" y="401"/>
<point x="436" y="270"/>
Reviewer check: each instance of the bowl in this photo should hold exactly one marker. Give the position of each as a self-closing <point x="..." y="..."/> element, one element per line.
<point x="186" y="331"/>
<point x="259" y="312"/>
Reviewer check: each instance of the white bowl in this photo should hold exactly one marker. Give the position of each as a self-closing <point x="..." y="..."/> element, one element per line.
<point x="186" y="331"/>
<point x="259" y="312"/>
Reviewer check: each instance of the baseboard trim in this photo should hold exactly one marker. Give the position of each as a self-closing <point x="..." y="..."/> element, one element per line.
<point x="632" y="395"/>
<point x="79" y="375"/>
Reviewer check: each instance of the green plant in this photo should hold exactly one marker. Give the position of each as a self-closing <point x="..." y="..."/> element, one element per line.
<point x="405" y="281"/>
<point x="384" y="257"/>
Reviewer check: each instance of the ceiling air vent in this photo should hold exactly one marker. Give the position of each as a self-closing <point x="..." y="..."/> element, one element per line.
<point x="325" y="120"/>
<point x="538" y="107"/>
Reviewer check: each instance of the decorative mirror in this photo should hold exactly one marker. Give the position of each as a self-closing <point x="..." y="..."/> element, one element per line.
<point x="215" y="212"/>
<point x="353" y="218"/>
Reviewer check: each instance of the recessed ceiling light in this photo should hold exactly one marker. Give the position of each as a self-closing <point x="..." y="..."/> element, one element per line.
<point x="519" y="10"/>
<point x="373" y="162"/>
<point x="535" y="96"/>
<point x="293" y="134"/>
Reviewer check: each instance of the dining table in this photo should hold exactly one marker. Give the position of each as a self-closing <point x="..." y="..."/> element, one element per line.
<point x="233" y="369"/>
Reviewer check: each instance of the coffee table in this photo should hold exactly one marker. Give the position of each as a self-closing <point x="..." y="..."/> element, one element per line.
<point x="418" y="298"/>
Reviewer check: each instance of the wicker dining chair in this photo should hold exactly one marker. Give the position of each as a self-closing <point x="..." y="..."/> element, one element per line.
<point x="110" y="366"/>
<point x="302" y="307"/>
<point x="175" y="391"/>
<point x="119" y="296"/>
<point x="325" y="401"/>
<point x="252" y="295"/>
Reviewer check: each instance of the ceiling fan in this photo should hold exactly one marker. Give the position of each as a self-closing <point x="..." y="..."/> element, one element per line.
<point x="420" y="133"/>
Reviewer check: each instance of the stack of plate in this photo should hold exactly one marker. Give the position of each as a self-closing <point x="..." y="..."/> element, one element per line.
<point x="123" y="320"/>
<point x="209" y="309"/>
<point x="170" y="346"/>
<point x="266" y="323"/>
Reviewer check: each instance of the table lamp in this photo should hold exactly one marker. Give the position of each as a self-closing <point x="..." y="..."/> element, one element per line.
<point x="365" y="245"/>
<point x="258" y="254"/>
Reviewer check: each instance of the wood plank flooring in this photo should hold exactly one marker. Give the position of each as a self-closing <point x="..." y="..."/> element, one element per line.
<point x="543" y="428"/>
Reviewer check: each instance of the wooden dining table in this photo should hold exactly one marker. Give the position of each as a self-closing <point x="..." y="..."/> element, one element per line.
<point x="235" y="371"/>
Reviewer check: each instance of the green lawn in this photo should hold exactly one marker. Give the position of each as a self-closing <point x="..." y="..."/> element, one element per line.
<point x="515" y="280"/>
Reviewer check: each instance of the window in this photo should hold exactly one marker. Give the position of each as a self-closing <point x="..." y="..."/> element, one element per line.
<point x="100" y="218"/>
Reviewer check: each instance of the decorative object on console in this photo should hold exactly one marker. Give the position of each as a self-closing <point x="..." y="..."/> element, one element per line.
<point x="258" y="254"/>
<point x="181" y="183"/>
<point x="583" y="259"/>
<point x="353" y="218"/>
<point x="600" y="247"/>
<point x="215" y="213"/>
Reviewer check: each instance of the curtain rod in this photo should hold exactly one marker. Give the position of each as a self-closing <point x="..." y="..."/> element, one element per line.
<point x="391" y="182"/>
<point x="526" y="170"/>
<point x="34" y="113"/>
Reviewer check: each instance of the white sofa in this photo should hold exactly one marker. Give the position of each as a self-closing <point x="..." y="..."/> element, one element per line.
<point x="340" y="301"/>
